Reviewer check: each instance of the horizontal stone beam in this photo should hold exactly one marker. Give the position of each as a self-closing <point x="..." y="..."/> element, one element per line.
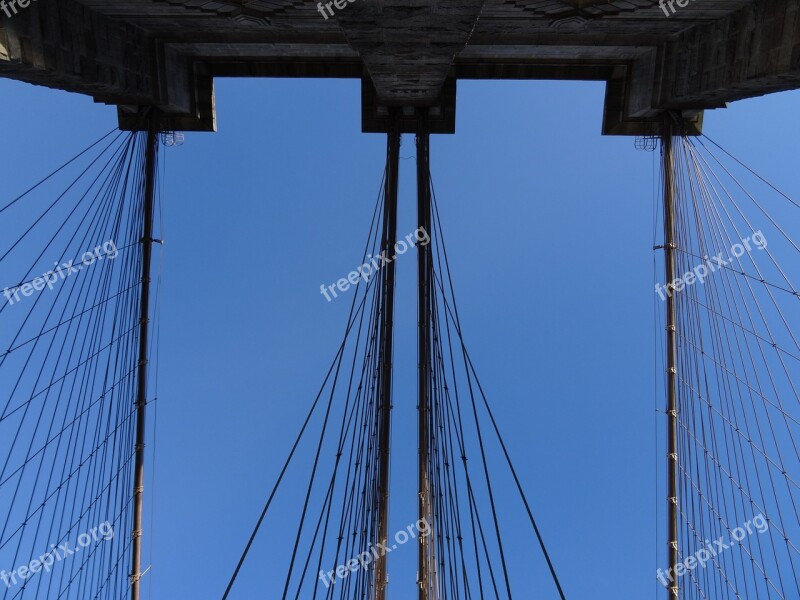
<point x="408" y="48"/>
<point x="64" y="45"/>
<point x="163" y="55"/>
<point x="751" y="52"/>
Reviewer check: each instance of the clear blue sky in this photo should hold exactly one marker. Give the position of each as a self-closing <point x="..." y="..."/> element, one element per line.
<point x="550" y="230"/>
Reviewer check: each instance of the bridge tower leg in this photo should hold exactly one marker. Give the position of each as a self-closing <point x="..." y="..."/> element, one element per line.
<point x="151" y="152"/>
<point x="387" y="327"/>
<point x="668" y="158"/>
<point x="424" y="324"/>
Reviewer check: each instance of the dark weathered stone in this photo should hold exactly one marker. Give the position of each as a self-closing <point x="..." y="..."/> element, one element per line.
<point x="165" y="53"/>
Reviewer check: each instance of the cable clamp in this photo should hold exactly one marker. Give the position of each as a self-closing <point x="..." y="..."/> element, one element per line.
<point x="136" y="577"/>
<point x="673" y="456"/>
<point x="673" y="370"/>
<point x="674" y="500"/>
<point x="136" y="533"/>
<point x="151" y="240"/>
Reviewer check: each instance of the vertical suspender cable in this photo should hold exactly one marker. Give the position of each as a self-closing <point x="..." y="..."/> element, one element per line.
<point x="668" y="157"/>
<point x="387" y="328"/>
<point x="144" y="311"/>
<point x="424" y="325"/>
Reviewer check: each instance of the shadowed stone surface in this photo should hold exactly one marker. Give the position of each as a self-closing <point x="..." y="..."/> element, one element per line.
<point x="165" y="53"/>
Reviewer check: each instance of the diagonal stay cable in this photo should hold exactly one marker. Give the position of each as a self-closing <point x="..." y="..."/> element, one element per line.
<point x="296" y="443"/>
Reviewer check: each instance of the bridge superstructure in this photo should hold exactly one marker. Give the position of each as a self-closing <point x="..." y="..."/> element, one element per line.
<point x="654" y="56"/>
<point x="664" y="64"/>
